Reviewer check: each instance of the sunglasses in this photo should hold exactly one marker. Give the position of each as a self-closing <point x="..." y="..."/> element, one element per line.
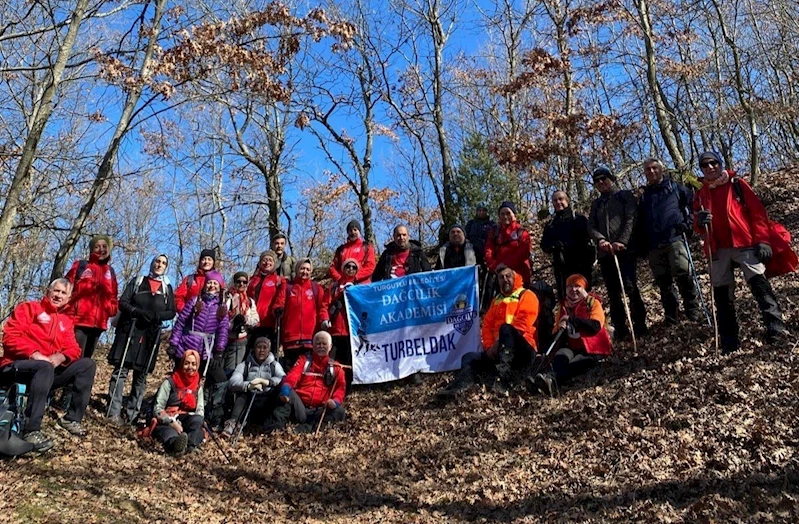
<point x="241" y="282"/>
<point x="350" y="266"/>
<point x="709" y="163"/>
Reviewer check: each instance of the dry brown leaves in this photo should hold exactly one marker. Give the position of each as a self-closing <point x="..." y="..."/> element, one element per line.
<point x="671" y="433"/>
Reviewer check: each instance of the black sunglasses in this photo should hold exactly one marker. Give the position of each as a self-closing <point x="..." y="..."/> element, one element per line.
<point x="241" y="282"/>
<point x="709" y="163"/>
<point x="350" y="266"/>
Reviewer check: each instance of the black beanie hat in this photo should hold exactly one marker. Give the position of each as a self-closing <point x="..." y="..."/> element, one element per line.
<point x="509" y="205"/>
<point x="208" y="253"/>
<point x="354" y="224"/>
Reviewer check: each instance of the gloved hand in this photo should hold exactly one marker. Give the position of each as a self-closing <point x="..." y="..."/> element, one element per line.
<point x="278" y="312"/>
<point x="255" y="386"/>
<point x="763" y="252"/>
<point x="681" y="228"/>
<point x="216" y="363"/>
<point x="704" y="217"/>
<point x="237" y="324"/>
<point x="259" y="380"/>
<point x="171" y="351"/>
<point x="325" y="325"/>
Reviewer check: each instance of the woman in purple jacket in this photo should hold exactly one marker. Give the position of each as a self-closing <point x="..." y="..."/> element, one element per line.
<point x="203" y="325"/>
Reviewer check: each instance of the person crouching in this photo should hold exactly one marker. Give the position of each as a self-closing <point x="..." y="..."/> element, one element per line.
<point x="179" y="407"/>
<point x="584" y="340"/>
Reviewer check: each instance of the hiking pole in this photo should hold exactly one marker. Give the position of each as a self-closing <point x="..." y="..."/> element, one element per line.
<point x="624" y="301"/>
<point x="696" y="281"/>
<point x="483" y="289"/>
<point x="216" y="441"/>
<point x="548" y="351"/>
<point x="709" y="255"/>
<point x="329" y="396"/>
<point x="121" y="367"/>
<point x="246" y="416"/>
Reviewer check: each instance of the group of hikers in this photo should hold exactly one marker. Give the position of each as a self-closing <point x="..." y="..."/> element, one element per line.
<point x="273" y="347"/>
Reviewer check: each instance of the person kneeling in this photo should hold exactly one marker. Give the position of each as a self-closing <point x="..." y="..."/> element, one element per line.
<point x="584" y="339"/>
<point x="179" y="407"/>
<point x="508" y="336"/>
<point x="258" y="375"/>
<point x="313" y="389"/>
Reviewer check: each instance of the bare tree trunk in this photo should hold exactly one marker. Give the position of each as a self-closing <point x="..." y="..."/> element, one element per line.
<point x="41" y="114"/>
<point x="107" y="164"/>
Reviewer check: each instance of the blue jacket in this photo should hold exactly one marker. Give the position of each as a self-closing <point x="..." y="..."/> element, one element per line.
<point x="665" y="209"/>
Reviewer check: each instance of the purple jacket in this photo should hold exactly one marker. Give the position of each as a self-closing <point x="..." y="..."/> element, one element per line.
<point x="206" y="321"/>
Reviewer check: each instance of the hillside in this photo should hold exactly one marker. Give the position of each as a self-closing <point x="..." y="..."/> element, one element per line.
<point x="670" y="433"/>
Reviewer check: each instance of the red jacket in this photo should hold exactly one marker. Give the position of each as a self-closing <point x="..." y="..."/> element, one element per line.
<point x="746" y="222"/>
<point x="269" y="293"/>
<point x="189" y="287"/>
<point x="94" y="293"/>
<point x="310" y="385"/>
<point x="305" y="310"/>
<point x="358" y="250"/>
<point x="598" y="344"/>
<point x="510" y="245"/>
<point x="339" y="326"/>
<point x="39" y="326"/>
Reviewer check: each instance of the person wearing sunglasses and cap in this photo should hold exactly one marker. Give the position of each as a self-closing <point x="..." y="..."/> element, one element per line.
<point x="339" y="326"/>
<point x="611" y="223"/>
<point x="735" y="226"/>
<point x="243" y="315"/>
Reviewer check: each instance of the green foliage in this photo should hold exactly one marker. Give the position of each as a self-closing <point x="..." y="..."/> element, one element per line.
<point x="480" y="178"/>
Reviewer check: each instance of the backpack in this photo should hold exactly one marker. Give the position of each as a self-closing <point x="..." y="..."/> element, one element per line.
<point x="11" y="445"/>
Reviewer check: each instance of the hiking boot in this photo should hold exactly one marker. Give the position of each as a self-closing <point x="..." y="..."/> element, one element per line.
<point x="453" y="389"/>
<point x="230" y="427"/>
<point x="303" y="428"/>
<point x="547" y="384"/>
<point x="530" y="384"/>
<point x="71" y="427"/>
<point x="778" y="337"/>
<point x="416" y="379"/>
<point x="178" y="444"/>
<point x="499" y="388"/>
<point x="40" y="442"/>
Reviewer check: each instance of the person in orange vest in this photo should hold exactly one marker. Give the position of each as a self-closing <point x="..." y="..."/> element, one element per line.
<point x="583" y="341"/>
<point x="508" y="337"/>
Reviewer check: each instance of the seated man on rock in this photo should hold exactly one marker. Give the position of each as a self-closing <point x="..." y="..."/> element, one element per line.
<point x="508" y="337"/>
<point x="258" y="375"/>
<point x="583" y="341"/>
<point x="40" y="350"/>
<point x="314" y="388"/>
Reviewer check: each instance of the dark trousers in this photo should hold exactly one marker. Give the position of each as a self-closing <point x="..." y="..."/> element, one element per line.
<point x="87" y="339"/>
<point x="513" y="353"/>
<point x="41" y="378"/>
<point x="192" y="426"/>
<point x="628" y="274"/>
<point x="116" y="389"/>
<point x="569" y="363"/>
<point x="342" y="353"/>
<point x="262" y="406"/>
<point x="295" y="410"/>
<point x="235" y="353"/>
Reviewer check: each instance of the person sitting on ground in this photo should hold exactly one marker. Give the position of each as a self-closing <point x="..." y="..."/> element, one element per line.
<point x="306" y="312"/>
<point x="584" y="339"/>
<point x="192" y="285"/>
<point x="314" y="388"/>
<point x="179" y="407"/>
<point x="566" y="238"/>
<point x="243" y="315"/>
<point x="457" y="252"/>
<point x="41" y="351"/>
<point x="285" y="265"/>
<point x="268" y="289"/>
<point x="739" y="236"/>
<point x="510" y="244"/>
<point x="146" y="302"/>
<point x="401" y="257"/>
<point x="357" y="248"/>
<point x="204" y="326"/>
<point x="94" y="294"/>
<point x="258" y="375"/>
<point x="508" y="337"/>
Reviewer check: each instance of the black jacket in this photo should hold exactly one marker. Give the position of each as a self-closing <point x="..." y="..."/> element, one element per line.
<point x="144" y="341"/>
<point x="665" y="211"/>
<point x="417" y="261"/>
<point x="613" y="218"/>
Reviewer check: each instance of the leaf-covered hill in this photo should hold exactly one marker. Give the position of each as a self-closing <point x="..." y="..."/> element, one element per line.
<point x="670" y="433"/>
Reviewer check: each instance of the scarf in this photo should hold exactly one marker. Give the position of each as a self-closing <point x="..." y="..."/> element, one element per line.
<point x="572" y="303"/>
<point x="186" y="385"/>
<point x="720" y="181"/>
<point x="159" y="278"/>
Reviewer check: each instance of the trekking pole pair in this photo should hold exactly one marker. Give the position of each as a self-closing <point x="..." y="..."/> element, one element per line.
<point x="695" y="278"/>
<point x="709" y="254"/>
<point x="625" y="301"/>
<point x="121" y="369"/>
<point x="246" y="416"/>
<point x="548" y="352"/>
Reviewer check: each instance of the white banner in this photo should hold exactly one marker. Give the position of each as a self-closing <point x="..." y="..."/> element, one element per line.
<point x="423" y="322"/>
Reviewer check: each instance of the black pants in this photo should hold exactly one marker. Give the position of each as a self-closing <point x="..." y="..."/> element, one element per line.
<point x="41" y="378"/>
<point x="296" y="410"/>
<point x="569" y="363"/>
<point x="514" y="353"/>
<point x="262" y="406"/>
<point x="87" y="339"/>
<point x="192" y="426"/>
<point x="628" y="274"/>
<point x="342" y="353"/>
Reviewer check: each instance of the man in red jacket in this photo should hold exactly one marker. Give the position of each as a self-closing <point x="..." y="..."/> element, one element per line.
<point x="738" y="229"/>
<point x="509" y="244"/>
<point x="313" y="388"/>
<point x="356" y="248"/>
<point x="40" y="350"/>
